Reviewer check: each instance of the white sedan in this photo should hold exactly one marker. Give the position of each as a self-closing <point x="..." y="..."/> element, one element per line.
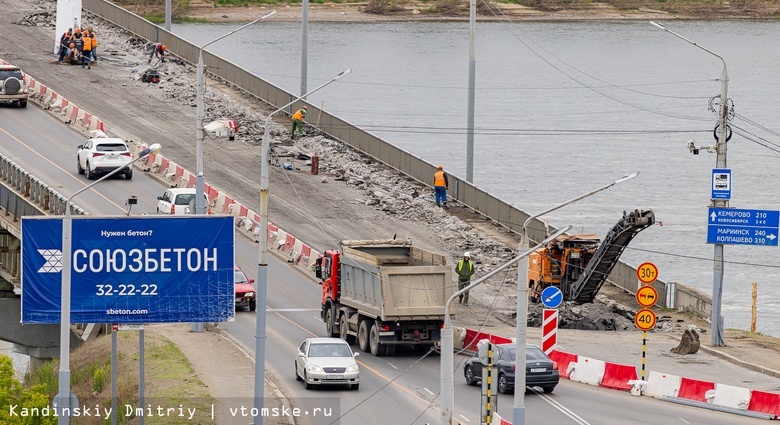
<point x="327" y="361"/>
<point x="103" y="155"/>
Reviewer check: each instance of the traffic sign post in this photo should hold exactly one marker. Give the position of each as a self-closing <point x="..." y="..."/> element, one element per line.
<point x="735" y="226"/>
<point x="552" y="297"/>
<point x="549" y="330"/>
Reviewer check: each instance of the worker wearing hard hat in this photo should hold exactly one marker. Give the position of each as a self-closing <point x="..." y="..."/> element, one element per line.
<point x="158" y="49"/>
<point x="464" y="269"/>
<point x="297" y="121"/>
<point x="440" y="186"/>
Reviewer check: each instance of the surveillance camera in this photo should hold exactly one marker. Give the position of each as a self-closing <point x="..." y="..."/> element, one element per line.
<point x="692" y="148"/>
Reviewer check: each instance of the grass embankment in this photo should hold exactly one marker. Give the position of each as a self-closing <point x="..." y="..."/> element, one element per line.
<point x="169" y="379"/>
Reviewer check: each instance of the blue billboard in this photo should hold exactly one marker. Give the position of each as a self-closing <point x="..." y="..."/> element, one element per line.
<point x="146" y="269"/>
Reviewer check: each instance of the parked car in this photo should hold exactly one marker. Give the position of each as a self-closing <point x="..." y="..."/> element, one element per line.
<point x="327" y="361"/>
<point x="103" y="155"/>
<point x="178" y="201"/>
<point x="13" y="85"/>
<point x="245" y="292"/>
<point x="540" y="371"/>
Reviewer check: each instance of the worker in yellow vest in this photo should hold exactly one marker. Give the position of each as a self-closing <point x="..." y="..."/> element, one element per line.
<point x="297" y="121"/>
<point x="440" y="186"/>
<point x="464" y="269"/>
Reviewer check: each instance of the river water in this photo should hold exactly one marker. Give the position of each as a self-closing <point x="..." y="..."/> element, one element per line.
<point x="561" y="109"/>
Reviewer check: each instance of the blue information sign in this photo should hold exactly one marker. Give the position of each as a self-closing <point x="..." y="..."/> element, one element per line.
<point x="552" y="297"/>
<point x="735" y="226"/>
<point x="721" y="183"/>
<point x="130" y="269"/>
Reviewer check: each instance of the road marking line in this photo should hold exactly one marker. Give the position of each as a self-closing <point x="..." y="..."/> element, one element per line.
<point x="683" y="420"/>
<point x="429" y="391"/>
<point x="465" y="418"/>
<point x="393" y="366"/>
<point x="291" y="310"/>
<point x="563" y="409"/>
<point x="81" y="182"/>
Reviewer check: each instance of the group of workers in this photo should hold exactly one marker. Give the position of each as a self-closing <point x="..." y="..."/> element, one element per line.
<point x="79" y="47"/>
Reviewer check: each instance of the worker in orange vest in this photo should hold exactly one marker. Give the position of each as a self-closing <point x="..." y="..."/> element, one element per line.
<point x="297" y="121"/>
<point x="440" y="186"/>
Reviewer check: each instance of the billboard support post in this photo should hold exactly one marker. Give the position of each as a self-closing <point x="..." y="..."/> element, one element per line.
<point x="63" y="398"/>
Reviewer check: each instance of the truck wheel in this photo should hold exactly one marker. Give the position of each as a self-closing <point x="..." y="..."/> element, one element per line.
<point x="363" y="336"/>
<point x="344" y="330"/>
<point x="377" y="349"/>
<point x="329" y="325"/>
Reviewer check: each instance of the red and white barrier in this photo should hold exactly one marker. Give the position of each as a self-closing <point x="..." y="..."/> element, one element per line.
<point x="730" y="396"/>
<point x="617" y="376"/>
<point x="693" y="389"/>
<point x="660" y="385"/>
<point x="564" y="360"/>
<point x="588" y="371"/>
<point x="549" y="330"/>
<point x="498" y="420"/>
<point x="765" y="402"/>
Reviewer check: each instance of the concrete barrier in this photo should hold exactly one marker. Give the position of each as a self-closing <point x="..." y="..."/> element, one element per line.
<point x="660" y="385"/>
<point x="730" y="396"/>
<point x="617" y="376"/>
<point x="588" y="371"/>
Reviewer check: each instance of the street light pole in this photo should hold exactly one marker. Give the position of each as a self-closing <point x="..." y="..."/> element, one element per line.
<point x="199" y="204"/>
<point x="518" y="409"/>
<point x="63" y="397"/>
<point x="200" y="207"/>
<point x="720" y="162"/>
<point x="448" y="345"/>
<point x="262" y="263"/>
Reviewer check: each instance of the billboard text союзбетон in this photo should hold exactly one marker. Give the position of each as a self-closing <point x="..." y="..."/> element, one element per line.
<point x="130" y="269"/>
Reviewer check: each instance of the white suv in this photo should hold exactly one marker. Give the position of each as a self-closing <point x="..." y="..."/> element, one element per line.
<point x="103" y="155"/>
<point x="179" y="201"/>
<point x="13" y="85"/>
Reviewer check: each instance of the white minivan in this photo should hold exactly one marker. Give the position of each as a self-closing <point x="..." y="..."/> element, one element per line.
<point x="179" y="201"/>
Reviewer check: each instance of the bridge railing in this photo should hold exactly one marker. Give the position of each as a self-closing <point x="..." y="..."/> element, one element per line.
<point x="507" y="215"/>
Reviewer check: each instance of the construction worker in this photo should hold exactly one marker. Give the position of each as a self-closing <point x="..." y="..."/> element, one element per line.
<point x="64" y="43"/>
<point x="86" y="51"/>
<point x="464" y="269"/>
<point x="440" y="186"/>
<point x="94" y="44"/>
<point x="73" y="56"/>
<point x="78" y="41"/>
<point x="297" y="121"/>
<point x="158" y="50"/>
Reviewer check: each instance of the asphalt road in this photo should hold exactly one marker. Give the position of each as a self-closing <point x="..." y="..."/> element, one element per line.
<point x="402" y="389"/>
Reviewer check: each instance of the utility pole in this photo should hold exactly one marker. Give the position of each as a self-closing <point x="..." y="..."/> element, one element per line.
<point x="720" y="162"/>
<point x="472" y="84"/>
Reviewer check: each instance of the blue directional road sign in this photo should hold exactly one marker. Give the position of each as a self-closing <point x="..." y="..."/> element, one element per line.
<point x="552" y="297"/>
<point x="735" y="226"/>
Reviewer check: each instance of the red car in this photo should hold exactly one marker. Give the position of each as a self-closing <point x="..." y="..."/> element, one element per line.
<point x="245" y="292"/>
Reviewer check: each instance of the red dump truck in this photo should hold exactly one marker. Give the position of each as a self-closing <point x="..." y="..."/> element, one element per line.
<point x="384" y="293"/>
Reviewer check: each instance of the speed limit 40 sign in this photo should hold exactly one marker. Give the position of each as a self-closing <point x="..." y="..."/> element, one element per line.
<point x="647" y="273"/>
<point x="645" y="319"/>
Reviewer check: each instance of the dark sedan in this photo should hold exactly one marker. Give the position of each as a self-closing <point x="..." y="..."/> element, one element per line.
<point x="540" y="371"/>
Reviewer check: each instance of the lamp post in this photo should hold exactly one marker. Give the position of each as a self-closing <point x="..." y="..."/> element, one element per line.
<point x="200" y="208"/>
<point x="447" y="343"/>
<point x="518" y="409"/>
<point x="63" y="397"/>
<point x="262" y="264"/>
<point x="720" y="162"/>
